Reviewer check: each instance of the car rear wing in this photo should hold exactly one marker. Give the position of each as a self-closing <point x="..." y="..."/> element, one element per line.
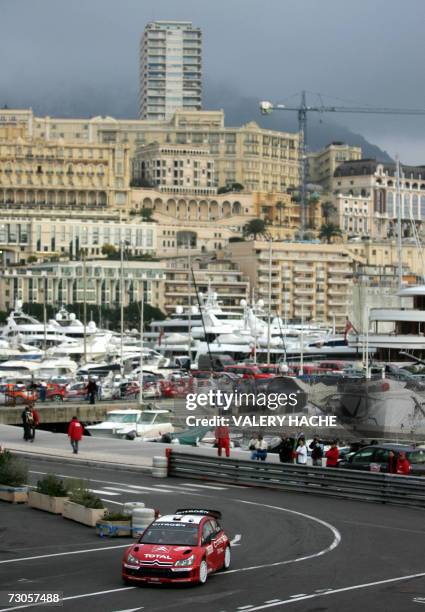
<point x="200" y="512"/>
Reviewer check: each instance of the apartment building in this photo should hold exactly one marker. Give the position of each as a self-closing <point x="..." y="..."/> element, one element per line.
<point x="381" y="253"/>
<point x="61" y="283"/>
<point x="179" y="169"/>
<point x="322" y="164"/>
<point x="54" y="174"/>
<point x="372" y="185"/>
<point x="212" y="273"/>
<point x="309" y="281"/>
<point x="259" y="159"/>
<point x="170" y="69"/>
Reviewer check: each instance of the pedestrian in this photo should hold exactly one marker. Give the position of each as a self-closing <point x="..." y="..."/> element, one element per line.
<point x="391" y="463"/>
<point x="403" y="464"/>
<point x="35" y="421"/>
<point x="301" y="452"/>
<point x="27" y="421"/>
<point x="222" y="439"/>
<point x="332" y="455"/>
<point x="260" y="448"/>
<point x="285" y="449"/>
<point x="43" y="391"/>
<point x="92" y="391"/>
<point x="75" y="433"/>
<point x="316" y="451"/>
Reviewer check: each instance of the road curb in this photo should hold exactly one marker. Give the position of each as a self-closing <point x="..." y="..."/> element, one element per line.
<point x="140" y="469"/>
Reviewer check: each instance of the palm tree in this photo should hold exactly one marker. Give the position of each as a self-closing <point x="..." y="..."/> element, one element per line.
<point x="254" y="228"/>
<point x="329" y="231"/>
<point x="327" y="210"/>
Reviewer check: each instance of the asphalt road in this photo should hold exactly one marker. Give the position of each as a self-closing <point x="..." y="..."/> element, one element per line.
<point x="295" y="551"/>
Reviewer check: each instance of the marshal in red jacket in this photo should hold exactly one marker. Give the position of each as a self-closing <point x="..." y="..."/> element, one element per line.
<point x="75" y="430"/>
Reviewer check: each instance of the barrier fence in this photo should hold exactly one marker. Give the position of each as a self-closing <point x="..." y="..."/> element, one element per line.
<point x="332" y="482"/>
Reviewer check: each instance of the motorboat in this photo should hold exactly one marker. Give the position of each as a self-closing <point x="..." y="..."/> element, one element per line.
<point x="22" y="328"/>
<point x="129" y="424"/>
<point x="67" y="323"/>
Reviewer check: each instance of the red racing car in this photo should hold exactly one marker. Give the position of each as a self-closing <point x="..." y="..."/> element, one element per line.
<point x="182" y="547"/>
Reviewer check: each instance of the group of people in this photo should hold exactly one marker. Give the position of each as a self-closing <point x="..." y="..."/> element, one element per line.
<point x="31" y="420"/>
<point x="292" y="450"/>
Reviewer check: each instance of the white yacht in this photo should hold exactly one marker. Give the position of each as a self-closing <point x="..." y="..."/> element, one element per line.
<point x="96" y="347"/>
<point x="21" y="327"/>
<point x="129" y="424"/>
<point x="68" y="324"/>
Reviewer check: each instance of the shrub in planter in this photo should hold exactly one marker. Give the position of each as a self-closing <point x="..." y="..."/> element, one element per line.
<point x="84" y="507"/>
<point x="114" y="524"/>
<point x="13" y="476"/>
<point x="50" y="494"/>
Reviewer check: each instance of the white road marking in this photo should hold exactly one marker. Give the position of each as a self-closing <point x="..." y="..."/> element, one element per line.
<point x="213" y="488"/>
<point x="299" y="595"/>
<point x="63" y="554"/>
<point x="122" y="490"/>
<point x="107" y="482"/>
<point x="129" y="610"/>
<point x="110" y="501"/>
<point x="245" y="607"/>
<point x="334" y="544"/>
<point x="102" y="492"/>
<point x="355" y="587"/>
<point x="73" y="597"/>
<point x="272" y="600"/>
<point x="182" y="488"/>
<point x="236" y="540"/>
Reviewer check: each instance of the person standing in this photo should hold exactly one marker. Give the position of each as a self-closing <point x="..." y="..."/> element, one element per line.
<point x="260" y="448"/>
<point x="35" y="421"/>
<point x="222" y="439"/>
<point x="403" y="464"/>
<point x="27" y="421"/>
<point x="92" y="391"/>
<point x="301" y="452"/>
<point x="332" y="455"/>
<point x="75" y="433"/>
<point x="286" y="450"/>
<point x="316" y="451"/>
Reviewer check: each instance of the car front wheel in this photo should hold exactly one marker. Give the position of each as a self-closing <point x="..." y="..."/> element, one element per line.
<point x="203" y="572"/>
<point x="227" y="558"/>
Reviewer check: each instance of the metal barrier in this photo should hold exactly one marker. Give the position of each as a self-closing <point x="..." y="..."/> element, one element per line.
<point x="332" y="482"/>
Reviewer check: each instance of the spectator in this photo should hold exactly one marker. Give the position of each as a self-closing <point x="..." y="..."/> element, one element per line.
<point x="92" y="391"/>
<point x="316" y="451"/>
<point x="75" y="433"/>
<point x="332" y="455"/>
<point x="301" y="452"/>
<point x="35" y="421"/>
<point x="222" y="439"/>
<point x="260" y="448"/>
<point x="286" y="449"/>
<point x="391" y="463"/>
<point x="27" y="421"/>
<point x="403" y="465"/>
<point x="43" y="391"/>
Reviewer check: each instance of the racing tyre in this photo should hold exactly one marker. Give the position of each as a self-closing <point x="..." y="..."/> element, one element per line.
<point x="203" y="572"/>
<point x="227" y="559"/>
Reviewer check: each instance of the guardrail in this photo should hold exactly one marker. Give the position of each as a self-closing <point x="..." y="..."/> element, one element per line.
<point x="331" y="482"/>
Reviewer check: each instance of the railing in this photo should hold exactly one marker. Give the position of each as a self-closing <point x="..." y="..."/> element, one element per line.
<point x="331" y="482"/>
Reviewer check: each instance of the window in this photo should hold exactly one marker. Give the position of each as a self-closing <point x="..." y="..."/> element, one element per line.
<point x="363" y="456"/>
<point x="207" y="531"/>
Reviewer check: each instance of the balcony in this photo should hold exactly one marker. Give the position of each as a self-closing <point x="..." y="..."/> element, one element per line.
<point x="344" y="270"/>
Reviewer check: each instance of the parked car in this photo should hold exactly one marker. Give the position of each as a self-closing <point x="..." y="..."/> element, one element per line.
<point x="377" y="457"/>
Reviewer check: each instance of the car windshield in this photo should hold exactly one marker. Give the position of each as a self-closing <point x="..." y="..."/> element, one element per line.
<point x="122" y="418"/>
<point x="176" y="535"/>
<point x="147" y="419"/>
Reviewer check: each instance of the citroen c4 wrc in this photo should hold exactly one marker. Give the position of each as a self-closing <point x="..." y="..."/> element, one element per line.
<point x="184" y="547"/>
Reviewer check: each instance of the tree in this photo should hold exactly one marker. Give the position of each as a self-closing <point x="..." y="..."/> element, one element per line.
<point x="109" y="250"/>
<point x="254" y="228"/>
<point x="147" y="214"/>
<point x="230" y="187"/>
<point x="328" y="209"/>
<point x="329" y="231"/>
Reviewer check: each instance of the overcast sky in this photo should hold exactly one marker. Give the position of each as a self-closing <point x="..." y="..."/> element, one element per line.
<point x="81" y="56"/>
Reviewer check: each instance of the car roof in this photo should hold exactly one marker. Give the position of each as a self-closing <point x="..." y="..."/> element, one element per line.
<point x="181" y="518"/>
<point x="395" y="447"/>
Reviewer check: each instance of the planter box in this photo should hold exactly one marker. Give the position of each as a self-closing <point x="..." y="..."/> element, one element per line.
<point x="14" y="495"/>
<point x="113" y="529"/>
<point x="48" y="503"/>
<point x="81" y="514"/>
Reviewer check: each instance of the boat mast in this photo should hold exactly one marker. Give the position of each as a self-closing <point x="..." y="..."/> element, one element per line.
<point x="399" y="238"/>
<point x="85" y="305"/>
<point x="122" y="305"/>
<point x="270" y="303"/>
<point x="189" y="301"/>
<point x="45" y="313"/>
<point x="301" y="371"/>
<point x="142" y="303"/>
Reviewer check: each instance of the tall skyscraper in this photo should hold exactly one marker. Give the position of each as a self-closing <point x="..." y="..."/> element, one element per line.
<point x="170" y="69"/>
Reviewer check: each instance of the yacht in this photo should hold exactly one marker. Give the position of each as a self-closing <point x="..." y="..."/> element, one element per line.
<point x="21" y="327"/>
<point x="68" y="324"/>
<point x="129" y="424"/>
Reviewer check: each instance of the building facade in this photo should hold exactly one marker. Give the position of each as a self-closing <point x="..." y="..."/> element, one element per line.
<point x="258" y="159"/>
<point x="170" y="69"/>
<point x="63" y="283"/>
<point x="309" y="281"/>
<point x="213" y="272"/>
<point x="322" y="164"/>
<point x="39" y="173"/>
<point x="179" y="169"/>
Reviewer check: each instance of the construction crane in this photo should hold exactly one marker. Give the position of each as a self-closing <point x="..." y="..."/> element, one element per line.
<point x="303" y="109"/>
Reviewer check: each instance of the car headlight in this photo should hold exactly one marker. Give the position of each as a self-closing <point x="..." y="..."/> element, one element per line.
<point x="132" y="559"/>
<point x="185" y="562"/>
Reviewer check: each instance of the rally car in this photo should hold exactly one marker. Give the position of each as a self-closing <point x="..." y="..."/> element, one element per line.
<point x="182" y="547"/>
